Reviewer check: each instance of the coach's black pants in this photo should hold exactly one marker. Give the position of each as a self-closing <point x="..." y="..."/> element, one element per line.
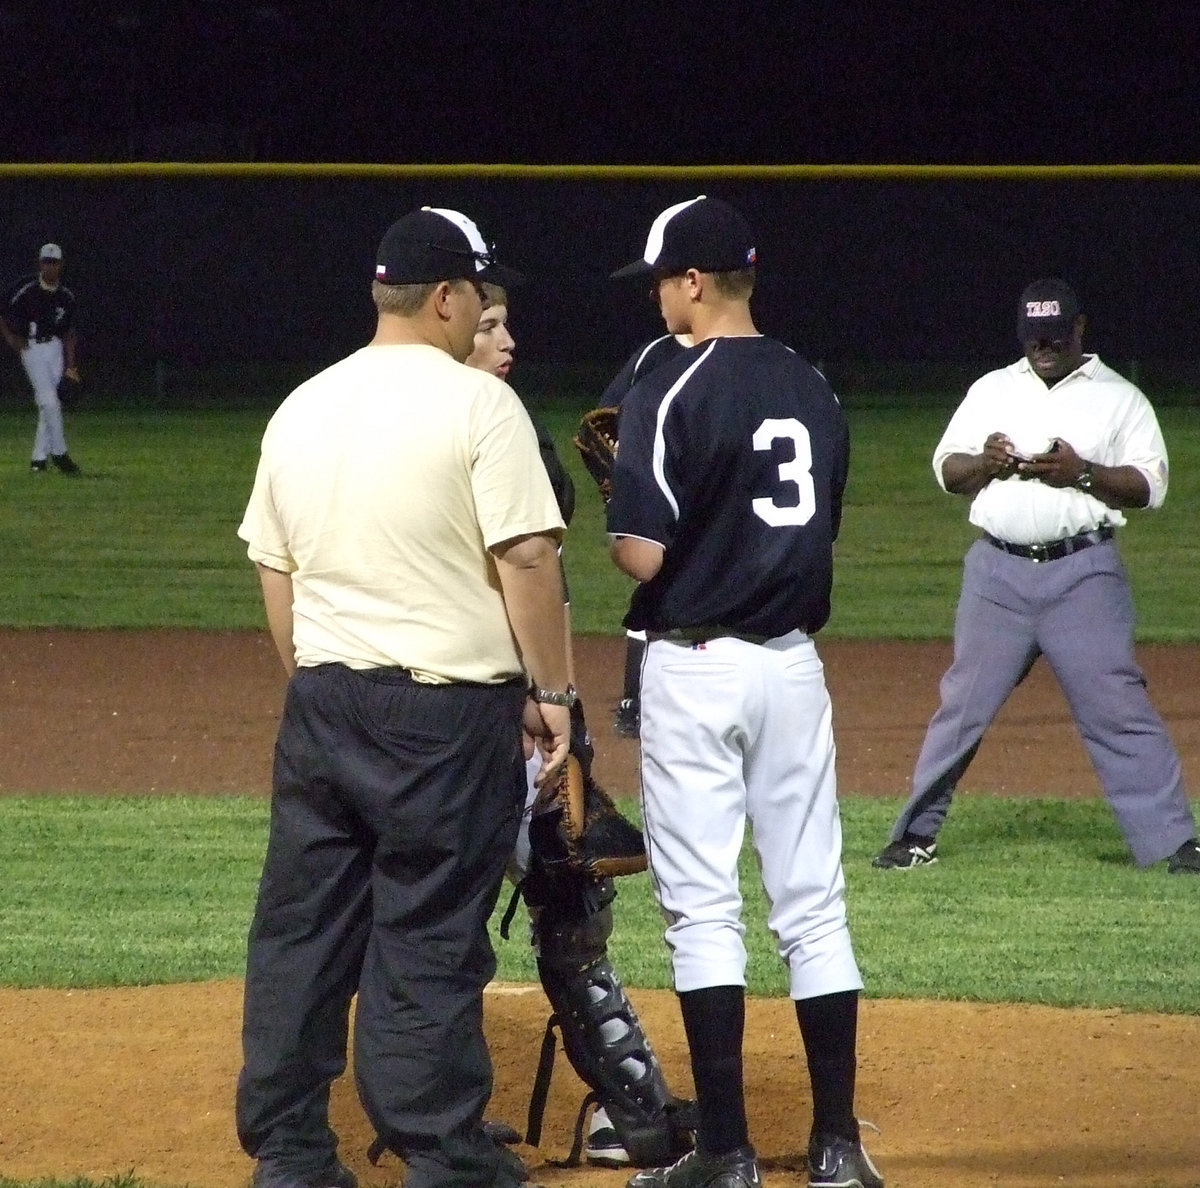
<point x="395" y="807"/>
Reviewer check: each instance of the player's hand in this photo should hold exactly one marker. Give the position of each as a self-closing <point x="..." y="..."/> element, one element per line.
<point x="1059" y="466"/>
<point x="548" y="727"/>
<point x="72" y="373"/>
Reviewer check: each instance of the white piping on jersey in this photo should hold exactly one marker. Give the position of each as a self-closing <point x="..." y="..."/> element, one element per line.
<point x="660" y="441"/>
<point x="649" y="347"/>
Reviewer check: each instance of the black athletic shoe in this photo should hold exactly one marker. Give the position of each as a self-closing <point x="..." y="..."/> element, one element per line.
<point x="337" y="1175"/>
<point x="64" y="463"/>
<point x="906" y="853"/>
<point x="735" y="1169"/>
<point x="627" y="723"/>
<point x="835" y="1162"/>
<point x="1185" y="860"/>
<point x="37" y="466"/>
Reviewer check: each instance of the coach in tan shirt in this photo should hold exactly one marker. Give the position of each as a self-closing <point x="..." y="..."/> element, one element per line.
<point x="406" y="539"/>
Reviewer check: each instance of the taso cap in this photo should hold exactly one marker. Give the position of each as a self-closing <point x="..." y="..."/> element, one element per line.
<point x="703" y="233"/>
<point x="1047" y="311"/>
<point x="50" y="251"/>
<point x="435" y="244"/>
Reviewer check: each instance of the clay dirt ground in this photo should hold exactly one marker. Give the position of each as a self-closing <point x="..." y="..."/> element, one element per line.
<point x="101" y="1082"/>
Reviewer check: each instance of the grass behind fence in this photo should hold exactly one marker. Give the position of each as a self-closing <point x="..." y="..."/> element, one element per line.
<point x="1036" y="901"/>
<point x="148" y="536"/>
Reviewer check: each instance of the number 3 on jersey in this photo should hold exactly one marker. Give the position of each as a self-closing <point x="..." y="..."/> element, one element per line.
<point x="798" y="472"/>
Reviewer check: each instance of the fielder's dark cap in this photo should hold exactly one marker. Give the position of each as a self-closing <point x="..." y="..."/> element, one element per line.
<point x="434" y="244"/>
<point x="703" y="233"/>
<point x="1047" y="311"/>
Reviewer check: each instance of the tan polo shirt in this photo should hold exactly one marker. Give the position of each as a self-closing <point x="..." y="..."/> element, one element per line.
<point x="382" y="483"/>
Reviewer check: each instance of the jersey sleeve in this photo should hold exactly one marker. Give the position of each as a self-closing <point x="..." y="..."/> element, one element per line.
<point x="560" y="481"/>
<point x="642" y="504"/>
<point x="262" y="529"/>
<point x="512" y="492"/>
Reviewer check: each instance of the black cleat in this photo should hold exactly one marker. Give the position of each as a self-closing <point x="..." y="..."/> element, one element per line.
<point x="627" y="723"/>
<point x="1185" y="860"/>
<point x="908" y="852"/>
<point x="735" y="1169"/>
<point x="836" y="1162"/>
<point x="65" y="464"/>
<point x="37" y="466"/>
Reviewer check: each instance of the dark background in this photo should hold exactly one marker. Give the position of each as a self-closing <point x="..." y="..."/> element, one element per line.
<point x="868" y="277"/>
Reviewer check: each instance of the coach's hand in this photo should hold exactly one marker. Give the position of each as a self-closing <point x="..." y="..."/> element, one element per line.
<point x="549" y="728"/>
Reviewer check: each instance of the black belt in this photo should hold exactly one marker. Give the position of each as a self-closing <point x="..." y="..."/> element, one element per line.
<point x="1053" y="550"/>
<point x="45" y="338"/>
<point x="698" y="635"/>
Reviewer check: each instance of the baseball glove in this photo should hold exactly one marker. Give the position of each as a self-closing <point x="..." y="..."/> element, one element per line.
<point x="70" y="391"/>
<point x="596" y="442"/>
<point x="575" y="825"/>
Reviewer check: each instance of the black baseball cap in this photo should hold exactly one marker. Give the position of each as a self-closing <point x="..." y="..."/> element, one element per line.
<point x="435" y="244"/>
<point x="1047" y="311"/>
<point x="703" y="233"/>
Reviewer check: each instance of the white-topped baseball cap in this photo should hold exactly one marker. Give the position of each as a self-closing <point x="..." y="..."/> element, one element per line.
<point x="50" y="251"/>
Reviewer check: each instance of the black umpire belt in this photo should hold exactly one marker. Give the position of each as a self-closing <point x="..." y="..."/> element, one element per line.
<point x="1053" y="550"/>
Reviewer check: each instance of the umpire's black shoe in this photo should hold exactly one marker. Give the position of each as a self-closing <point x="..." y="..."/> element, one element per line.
<point x="1185" y="860"/>
<point x="37" y="466"/>
<point x="906" y="853"/>
<point x="735" y="1169"/>
<point x="65" y="464"/>
<point x="836" y="1162"/>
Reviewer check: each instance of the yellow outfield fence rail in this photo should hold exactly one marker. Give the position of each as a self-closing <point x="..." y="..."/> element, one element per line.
<point x="591" y="172"/>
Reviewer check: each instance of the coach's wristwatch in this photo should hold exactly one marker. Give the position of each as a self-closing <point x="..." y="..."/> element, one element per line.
<point x="550" y="697"/>
<point x="1086" y="479"/>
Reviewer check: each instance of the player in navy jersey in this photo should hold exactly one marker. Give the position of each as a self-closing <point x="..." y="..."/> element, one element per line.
<point x="727" y="498"/>
<point x="627" y="719"/>
<point x="39" y="324"/>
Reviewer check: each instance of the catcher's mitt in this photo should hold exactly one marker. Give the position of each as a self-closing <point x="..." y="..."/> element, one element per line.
<point x="576" y="825"/>
<point x="70" y="391"/>
<point x="596" y="442"/>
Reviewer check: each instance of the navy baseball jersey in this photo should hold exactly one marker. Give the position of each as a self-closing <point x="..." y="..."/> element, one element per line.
<point x="643" y="361"/>
<point x="40" y="314"/>
<point x="745" y="415"/>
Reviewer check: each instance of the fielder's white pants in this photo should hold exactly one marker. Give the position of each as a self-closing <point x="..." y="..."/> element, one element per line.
<point x="735" y="731"/>
<point x="43" y="363"/>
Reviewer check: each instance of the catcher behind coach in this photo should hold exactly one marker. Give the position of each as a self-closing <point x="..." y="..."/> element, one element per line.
<point x="573" y="842"/>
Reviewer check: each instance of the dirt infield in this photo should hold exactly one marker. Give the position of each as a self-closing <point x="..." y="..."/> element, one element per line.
<point x="102" y="1082"/>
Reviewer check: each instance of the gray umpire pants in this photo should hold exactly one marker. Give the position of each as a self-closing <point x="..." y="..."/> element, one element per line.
<point x="395" y="806"/>
<point x="1078" y="613"/>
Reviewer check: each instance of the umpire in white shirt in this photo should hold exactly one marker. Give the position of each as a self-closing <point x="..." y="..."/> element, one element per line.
<point x="1050" y="450"/>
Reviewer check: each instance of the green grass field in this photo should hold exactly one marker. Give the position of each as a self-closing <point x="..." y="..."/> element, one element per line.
<point x="148" y="536"/>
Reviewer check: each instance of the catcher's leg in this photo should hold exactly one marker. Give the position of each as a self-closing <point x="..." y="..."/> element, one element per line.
<point x="601" y="1032"/>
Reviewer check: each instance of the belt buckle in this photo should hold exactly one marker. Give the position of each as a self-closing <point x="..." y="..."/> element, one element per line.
<point x="1038" y="553"/>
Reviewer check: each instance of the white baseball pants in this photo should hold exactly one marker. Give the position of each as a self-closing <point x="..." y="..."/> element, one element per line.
<point x="43" y="363"/>
<point x="733" y="730"/>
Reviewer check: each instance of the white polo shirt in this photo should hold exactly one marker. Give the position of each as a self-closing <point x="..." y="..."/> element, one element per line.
<point x="383" y="482"/>
<point x="1101" y="414"/>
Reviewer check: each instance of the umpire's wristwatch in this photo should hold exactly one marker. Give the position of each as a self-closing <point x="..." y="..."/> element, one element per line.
<point x="550" y="697"/>
<point x="1086" y="479"/>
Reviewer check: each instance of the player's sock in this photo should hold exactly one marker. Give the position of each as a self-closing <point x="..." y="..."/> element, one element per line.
<point x="714" y="1019"/>
<point x="829" y="1026"/>
<point x="635" y="649"/>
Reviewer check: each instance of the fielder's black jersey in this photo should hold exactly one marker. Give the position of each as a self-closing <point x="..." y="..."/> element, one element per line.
<point x="39" y="314"/>
<point x="643" y="361"/>
<point x="734" y="458"/>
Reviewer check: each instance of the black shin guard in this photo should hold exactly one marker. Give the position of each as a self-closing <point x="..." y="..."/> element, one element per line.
<point x="602" y="1036"/>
